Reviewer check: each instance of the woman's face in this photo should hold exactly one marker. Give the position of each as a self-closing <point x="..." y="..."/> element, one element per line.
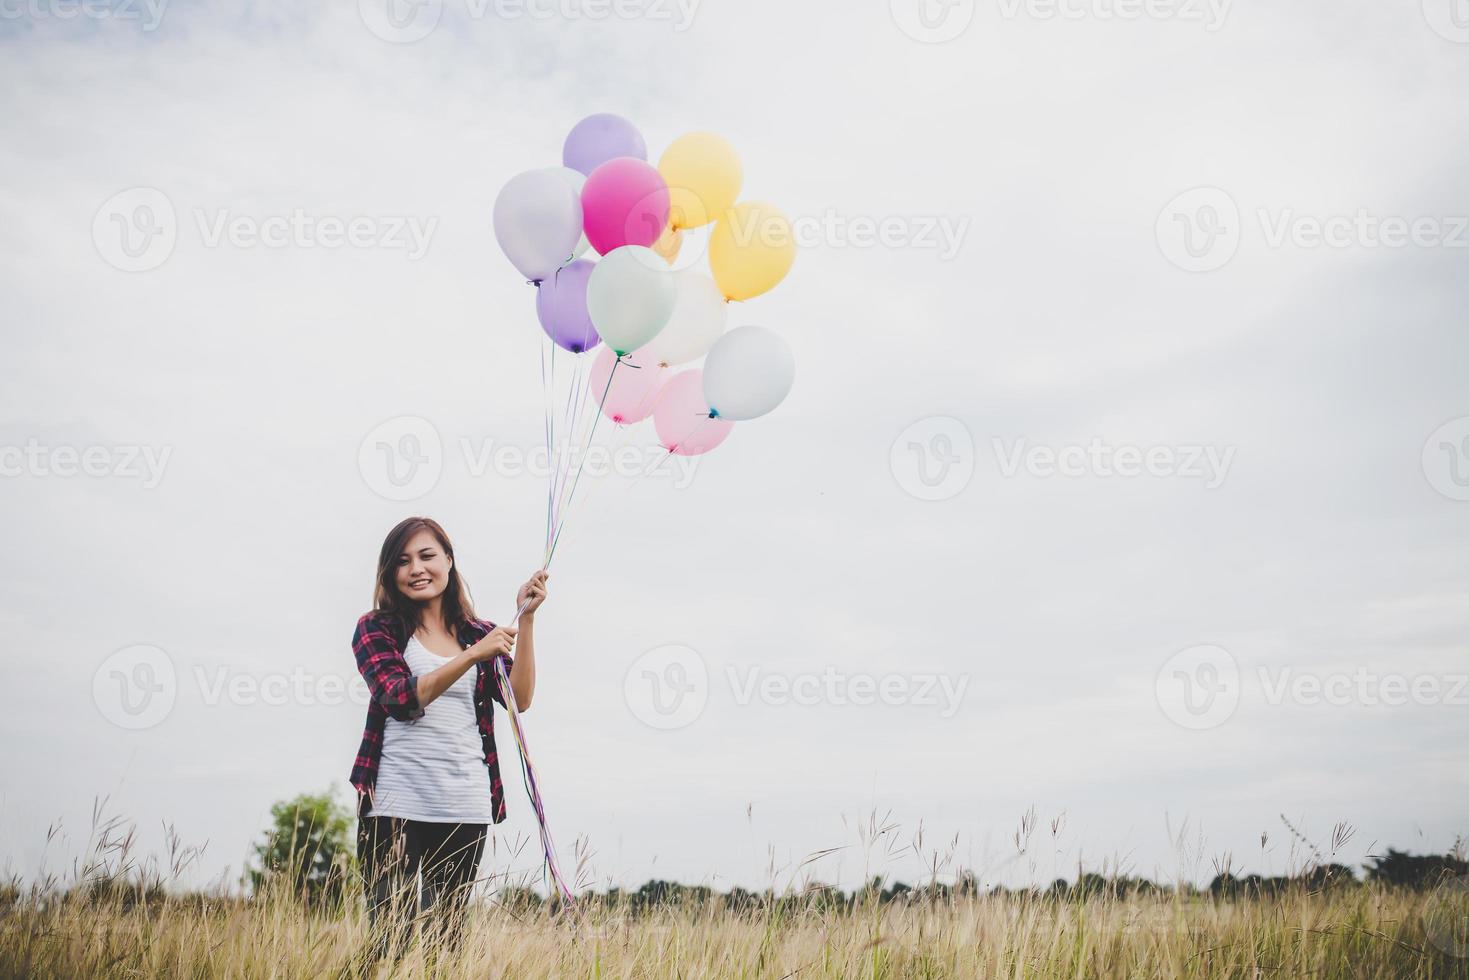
<point x="423" y="568"/>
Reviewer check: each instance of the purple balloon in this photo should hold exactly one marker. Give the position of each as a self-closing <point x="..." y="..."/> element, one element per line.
<point x="561" y="306"/>
<point x="597" y="139"/>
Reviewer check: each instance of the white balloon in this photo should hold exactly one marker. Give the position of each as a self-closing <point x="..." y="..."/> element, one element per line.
<point x="577" y="180"/>
<point x="537" y="222"/>
<point x="630" y="296"/>
<point x="699" y="317"/>
<point x="748" y="372"/>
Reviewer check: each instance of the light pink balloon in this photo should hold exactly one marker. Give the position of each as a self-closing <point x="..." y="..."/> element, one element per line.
<point x="682" y="416"/>
<point x="624" y="202"/>
<point x="635" y="385"/>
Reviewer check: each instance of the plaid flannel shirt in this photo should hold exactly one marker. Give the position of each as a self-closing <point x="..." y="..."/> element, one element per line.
<point x="378" y="644"/>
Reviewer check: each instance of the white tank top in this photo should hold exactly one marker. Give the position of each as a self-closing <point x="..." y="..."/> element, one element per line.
<point x="434" y="768"/>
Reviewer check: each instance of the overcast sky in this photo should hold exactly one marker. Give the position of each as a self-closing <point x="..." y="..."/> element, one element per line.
<point x="1220" y="247"/>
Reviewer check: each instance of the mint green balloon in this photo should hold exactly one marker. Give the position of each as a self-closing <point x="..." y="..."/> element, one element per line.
<point x="630" y="296"/>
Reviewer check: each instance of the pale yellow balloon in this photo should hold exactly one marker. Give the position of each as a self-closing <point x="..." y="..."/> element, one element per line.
<point x="668" y="244"/>
<point x="751" y="250"/>
<point x="703" y="174"/>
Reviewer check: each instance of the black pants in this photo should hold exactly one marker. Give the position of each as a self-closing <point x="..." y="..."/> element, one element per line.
<point x="392" y="852"/>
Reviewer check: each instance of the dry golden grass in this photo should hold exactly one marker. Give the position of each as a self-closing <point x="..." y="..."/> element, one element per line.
<point x="1358" y="932"/>
<point x="103" y="923"/>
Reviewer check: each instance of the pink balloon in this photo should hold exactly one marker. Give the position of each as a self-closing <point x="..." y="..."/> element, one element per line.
<point x="635" y="385"/>
<point x="624" y="202"/>
<point x="682" y="417"/>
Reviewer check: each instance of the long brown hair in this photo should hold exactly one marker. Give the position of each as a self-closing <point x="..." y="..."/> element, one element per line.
<point x="386" y="597"/>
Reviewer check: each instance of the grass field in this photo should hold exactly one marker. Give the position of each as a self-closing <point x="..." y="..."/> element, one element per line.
<point x="1360" y="931"/>
<point x="116" y="916"/>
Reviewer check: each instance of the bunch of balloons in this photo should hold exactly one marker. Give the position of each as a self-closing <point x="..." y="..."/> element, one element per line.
<point x="599" y="237"/>
<point x="640" y="321"/>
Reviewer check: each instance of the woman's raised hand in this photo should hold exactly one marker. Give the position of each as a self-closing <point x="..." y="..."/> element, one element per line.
<point x="532" y="593"/>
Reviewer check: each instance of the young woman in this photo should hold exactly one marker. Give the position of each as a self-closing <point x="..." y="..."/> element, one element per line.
<point x="427" y="774"/>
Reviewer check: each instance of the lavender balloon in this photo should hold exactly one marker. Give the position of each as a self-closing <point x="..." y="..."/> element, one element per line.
<point x="561" y="305"/>
<point x="597" y="139"/>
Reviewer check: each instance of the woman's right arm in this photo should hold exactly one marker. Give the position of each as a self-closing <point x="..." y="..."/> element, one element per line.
<point x="394" y="686"/>
<point x="495" y="643"/>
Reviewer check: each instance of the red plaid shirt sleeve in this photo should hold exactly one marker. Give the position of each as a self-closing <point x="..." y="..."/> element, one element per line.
<point x="380" y="662"/>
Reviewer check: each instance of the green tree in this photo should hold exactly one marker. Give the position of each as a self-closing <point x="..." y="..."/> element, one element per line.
<point x="308" y="851"/>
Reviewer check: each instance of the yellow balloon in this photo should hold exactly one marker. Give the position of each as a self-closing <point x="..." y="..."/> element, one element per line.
<point x="751" y="250"/>
<point x="668" y="244"/>
<point x="703" y="174"/>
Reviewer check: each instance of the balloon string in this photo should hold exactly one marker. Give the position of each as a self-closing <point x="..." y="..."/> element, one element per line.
<point x="556" y="539"/>
<point x="575" y="443"/>
<point x="532" y="787"/>
<point x="575" y="425"/>
<point x="569" y="418"/>
<point x="580" y="504"/>
<point x="547" y="389"/>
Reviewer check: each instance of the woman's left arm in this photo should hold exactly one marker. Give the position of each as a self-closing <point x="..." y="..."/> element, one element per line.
<point x="523" y="667"/>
